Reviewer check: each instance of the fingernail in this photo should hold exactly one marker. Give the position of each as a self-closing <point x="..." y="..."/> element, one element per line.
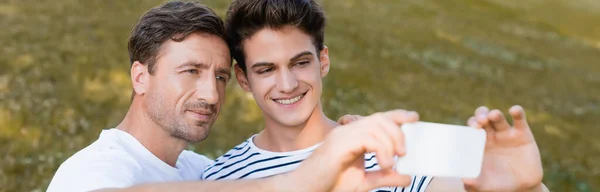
<point x="482" y="116"/>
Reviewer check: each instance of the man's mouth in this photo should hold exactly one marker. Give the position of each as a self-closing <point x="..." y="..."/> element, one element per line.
<point x="290" y="101"/>
<point x="202" y="115"/>
<point x="201" y="111"/>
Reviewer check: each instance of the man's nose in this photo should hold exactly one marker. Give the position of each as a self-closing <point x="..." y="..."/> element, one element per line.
<point x="207" y="89"/>
<point x="287" y="81"/>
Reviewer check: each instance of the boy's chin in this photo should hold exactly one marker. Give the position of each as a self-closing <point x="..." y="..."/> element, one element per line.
<point x="292" y="120"/>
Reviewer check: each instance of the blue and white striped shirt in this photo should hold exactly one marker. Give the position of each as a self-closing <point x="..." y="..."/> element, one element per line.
<point x="246" y="161"/>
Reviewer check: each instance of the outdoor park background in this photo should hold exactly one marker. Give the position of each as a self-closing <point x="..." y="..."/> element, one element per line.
<point x="64" y="75"/>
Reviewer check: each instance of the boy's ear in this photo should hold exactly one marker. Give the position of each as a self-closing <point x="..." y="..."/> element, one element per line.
<point x="139" y="78"/>
<point x="324" y="59"/>
<point x="241" y="78"/>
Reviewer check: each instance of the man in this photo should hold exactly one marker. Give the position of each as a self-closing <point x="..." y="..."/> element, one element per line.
<point x="281" y="60"/>
<point x="180" y="65"/>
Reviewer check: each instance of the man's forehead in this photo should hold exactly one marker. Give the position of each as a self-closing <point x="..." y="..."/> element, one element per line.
<point x="200" y="49"/>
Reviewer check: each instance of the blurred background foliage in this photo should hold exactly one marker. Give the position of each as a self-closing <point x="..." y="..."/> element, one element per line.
<point x="64" y="75"/>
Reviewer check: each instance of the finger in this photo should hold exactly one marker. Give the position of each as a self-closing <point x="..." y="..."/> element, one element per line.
<point x="383" y="152"/>
<point x="383" y="178"/>
<point x="483" y="120"/>
<point x="518" y="114"/>
<point x="482" y="110"/>
<point x="498" y="120"/>
<point x="400" y="116"/>
<point x="470" y="184"/>
<point x="394" y="133"/>
<point x="356" y="117"/>
<point x="345" y="119"/>
<point x="472" y="122"/>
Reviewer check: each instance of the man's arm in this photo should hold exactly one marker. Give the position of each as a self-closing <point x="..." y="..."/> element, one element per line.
<point x="275" y="183"/>
<point x="337" y="165"/>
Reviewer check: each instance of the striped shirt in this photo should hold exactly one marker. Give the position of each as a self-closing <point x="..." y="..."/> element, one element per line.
<point x="246" y="161"/>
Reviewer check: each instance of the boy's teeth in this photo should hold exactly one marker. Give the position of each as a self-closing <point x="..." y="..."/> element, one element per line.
<point x="289" y="101"/>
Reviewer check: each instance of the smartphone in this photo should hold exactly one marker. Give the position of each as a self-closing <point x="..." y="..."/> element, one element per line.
<point x="442" y="150"/>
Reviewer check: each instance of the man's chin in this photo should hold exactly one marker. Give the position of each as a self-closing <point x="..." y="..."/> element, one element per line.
<point x="195" y="134"/>
<point x="196" y="138"/>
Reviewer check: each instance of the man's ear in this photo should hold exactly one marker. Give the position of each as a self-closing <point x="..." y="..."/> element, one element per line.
<point x="324" y="59"/>
<point x="241" y="78"/>
<point x="139" y="78"/>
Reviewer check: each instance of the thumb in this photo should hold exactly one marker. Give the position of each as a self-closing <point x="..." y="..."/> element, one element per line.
<point x="385" y="178"/>
<point x="470" y="184"/>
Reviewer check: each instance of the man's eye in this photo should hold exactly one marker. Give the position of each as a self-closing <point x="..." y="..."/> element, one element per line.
<point x="193" y="71"/>
<point x="221" y="78"/>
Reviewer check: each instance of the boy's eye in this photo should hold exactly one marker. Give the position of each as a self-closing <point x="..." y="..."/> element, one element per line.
<point x="303" y="63"/>
<point x="265" y="70"/>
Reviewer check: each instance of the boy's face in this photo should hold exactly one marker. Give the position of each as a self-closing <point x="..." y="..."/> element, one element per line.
<point x="284" y="74"/>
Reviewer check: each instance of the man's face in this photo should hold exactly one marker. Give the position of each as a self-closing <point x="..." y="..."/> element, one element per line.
<point x="185" y="93"/>
<point x="284" y="74"/>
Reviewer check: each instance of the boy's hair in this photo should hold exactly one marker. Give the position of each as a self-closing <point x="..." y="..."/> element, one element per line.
<point x="246" y="17"/>
<point x="170" y="21"/>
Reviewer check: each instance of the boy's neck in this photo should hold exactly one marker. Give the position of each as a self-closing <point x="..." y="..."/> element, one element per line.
<point x="279" y="138"/>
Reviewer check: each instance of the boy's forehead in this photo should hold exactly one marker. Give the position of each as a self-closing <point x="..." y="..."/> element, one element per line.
<point x="277" y="44"/>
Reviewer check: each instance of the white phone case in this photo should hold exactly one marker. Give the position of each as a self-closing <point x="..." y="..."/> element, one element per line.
<point x="442" y="150"/>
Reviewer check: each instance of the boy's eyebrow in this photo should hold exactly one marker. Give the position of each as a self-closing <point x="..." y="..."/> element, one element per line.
<point x="262" y="64"/>
<point x="303" y="53"/>
<point x="295" y="57"/>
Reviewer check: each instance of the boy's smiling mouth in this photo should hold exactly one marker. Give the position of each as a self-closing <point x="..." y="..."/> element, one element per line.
<point x="290" y="101"/>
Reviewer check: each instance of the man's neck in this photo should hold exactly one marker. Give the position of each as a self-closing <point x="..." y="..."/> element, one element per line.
<point x="280" y="138"/>
<point x="153" y="137"/>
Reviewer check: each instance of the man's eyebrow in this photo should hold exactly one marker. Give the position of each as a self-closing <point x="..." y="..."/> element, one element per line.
<point x="224" y="71"/>
<point x="303" y="53"/>
<point x="193" y="64"/>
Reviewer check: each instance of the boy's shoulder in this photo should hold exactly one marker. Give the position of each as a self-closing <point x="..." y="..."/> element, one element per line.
<point x="236" y="155"/>
<point x="247" y="161"/>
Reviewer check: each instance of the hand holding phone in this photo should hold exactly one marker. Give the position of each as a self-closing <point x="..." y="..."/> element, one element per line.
<point x="442" y="150"/>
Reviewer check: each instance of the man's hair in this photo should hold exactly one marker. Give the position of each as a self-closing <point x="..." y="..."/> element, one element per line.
<point x="246" y="17"/>
<point x="170" y="21"/>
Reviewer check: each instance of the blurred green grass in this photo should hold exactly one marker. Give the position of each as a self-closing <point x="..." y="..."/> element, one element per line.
<point x="64" y="75"/>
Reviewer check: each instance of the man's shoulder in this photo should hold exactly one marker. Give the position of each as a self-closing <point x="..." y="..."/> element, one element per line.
<point x="106" y="151"/>
<point x="101" y="164"/>
<point x="99" y="153"/>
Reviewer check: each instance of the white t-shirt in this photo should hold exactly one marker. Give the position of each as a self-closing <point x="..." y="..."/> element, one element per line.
<point x="117" y="159"/>
<point x="247" y="161"/>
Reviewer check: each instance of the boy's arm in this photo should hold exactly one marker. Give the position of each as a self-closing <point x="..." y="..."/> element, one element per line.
<point x="439" y="184"/>
<point x="337" y="165"/>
